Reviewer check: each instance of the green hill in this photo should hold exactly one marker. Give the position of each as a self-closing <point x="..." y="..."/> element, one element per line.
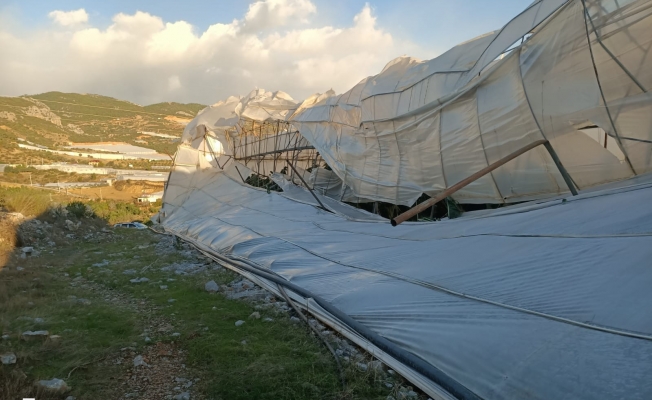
<point x="54" y="119"/>
<point x="182" y="110"/>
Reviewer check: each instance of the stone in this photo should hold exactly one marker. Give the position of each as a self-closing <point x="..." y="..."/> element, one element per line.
<point x="38" y="320"/>
<point x="171" y="300"/>
<point x="71" y="226"/>
<point x="55" y="338"/>
<point x="6" y="337"/>
<point x="388" y="385"/>
<point x="362" y="367"/>
<point x="70" y="398"/>
<point x="176" y="334"/>
<point x="139" y="280"/>
<point x="35" y="335"/>
<point x="211" y="287"/>
<point x="104" y="263"/>
<point x="267" y="319"/>
<point x="391" y="372"/>
<point x="8" y="358"/>
<point x="147" y="339"/>
<point x="295" y="319"/>
<point x="244" y="342"/>
<point x="84" y="302"/>
<point x="129" y="272"/>
<point x="54" y="385"/>
<point x="163" y="287"/>
<point x="239" y="323"/>
<point x="182" y="396"/>
<point x="139" y="361"/>
<point x="27" y="250"/>
<point x="20" y="269"/>
<point x="255" y="315"/>
<point x="180" y="380"/>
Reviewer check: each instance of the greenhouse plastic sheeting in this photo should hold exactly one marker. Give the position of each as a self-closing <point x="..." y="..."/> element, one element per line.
<point x="545" y="300"/>
<point x="419" y="127"/>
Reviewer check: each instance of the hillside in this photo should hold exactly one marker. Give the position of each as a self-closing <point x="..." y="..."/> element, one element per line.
<point x="54" y="119"/>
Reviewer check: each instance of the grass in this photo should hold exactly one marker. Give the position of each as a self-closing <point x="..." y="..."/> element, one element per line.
<point x="100" y="118"/>
<point x="280" y="360"/>
<point x="89" y="332"/>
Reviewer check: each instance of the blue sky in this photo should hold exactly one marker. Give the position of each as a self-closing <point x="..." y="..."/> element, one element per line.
<point x="418" y="28"/>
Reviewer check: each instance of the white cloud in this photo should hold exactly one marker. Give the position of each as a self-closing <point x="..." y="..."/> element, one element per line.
<point x="69" y="18"/>
<point x="142" y="58"/>
<point x="274" y="13"/>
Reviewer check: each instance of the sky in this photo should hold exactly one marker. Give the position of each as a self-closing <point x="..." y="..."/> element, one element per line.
<point x="204" y="51"/>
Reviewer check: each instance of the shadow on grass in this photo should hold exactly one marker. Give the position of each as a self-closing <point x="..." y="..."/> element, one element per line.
<point x="73" y="329"/>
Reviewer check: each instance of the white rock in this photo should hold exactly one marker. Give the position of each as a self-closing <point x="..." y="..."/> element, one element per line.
<point x="268" y="319"/>
<point x="255" y="315"/>
<point x="84" y="302"/>
<point x="147" y="339"/>
<point x="104" y="263"/>
<point x="362" y="367"/>
<point x="139" y="280"/>
<point x="8" y="358"/>
<point x="171" y="300"/>
<point x="211" y="287"/>
<point x="163" y="287"/>
<point x="391" y="372"/>
<point x="129" y="272"/>
<point x="55" y="338"/>
<point x="32" y="335"/>
<point x="182" y="396"/>
<point x="20" y="269"/>
<point x="54" y="385"/>
<point x="295" y="320"/>
<point x="6" y="337"/>
<point x="27" y="249"/>
<point x="176" y="334"/>
<point x="239" y="323"/>
<point x="139" y="362"/>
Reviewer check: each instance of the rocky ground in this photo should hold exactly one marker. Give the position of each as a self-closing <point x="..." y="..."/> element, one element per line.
<point x="182" y="326"/>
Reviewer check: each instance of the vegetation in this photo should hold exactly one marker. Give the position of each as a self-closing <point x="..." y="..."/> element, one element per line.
<point x="85" y="118"/>
<point x="31" y="175"/>
<point x="63" y="292"/>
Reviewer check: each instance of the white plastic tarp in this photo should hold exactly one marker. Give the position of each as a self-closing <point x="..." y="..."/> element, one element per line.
<point x="539" y="301"/>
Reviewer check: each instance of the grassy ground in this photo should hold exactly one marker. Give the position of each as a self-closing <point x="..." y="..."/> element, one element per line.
<point x="258" y="360"/>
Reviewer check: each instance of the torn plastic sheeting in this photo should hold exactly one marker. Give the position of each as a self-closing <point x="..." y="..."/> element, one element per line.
<point x="383" y="282"/>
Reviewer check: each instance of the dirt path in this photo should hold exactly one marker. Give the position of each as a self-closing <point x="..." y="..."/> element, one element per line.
<point x="157" y="371"/>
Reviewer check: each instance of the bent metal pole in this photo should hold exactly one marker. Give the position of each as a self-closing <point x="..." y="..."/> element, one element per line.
<point x="459" y="185"/>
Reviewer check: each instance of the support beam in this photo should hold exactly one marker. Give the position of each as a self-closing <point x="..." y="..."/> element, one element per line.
<point x="307" y="187"/>
<point x="463" y="183"/>
<point x="561" y="168"/>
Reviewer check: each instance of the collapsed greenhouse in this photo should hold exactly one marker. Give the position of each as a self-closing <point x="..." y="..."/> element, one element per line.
<point x="543" y="127"/>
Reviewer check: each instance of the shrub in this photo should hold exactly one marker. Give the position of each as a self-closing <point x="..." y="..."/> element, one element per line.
<point x="80" y="210"/>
